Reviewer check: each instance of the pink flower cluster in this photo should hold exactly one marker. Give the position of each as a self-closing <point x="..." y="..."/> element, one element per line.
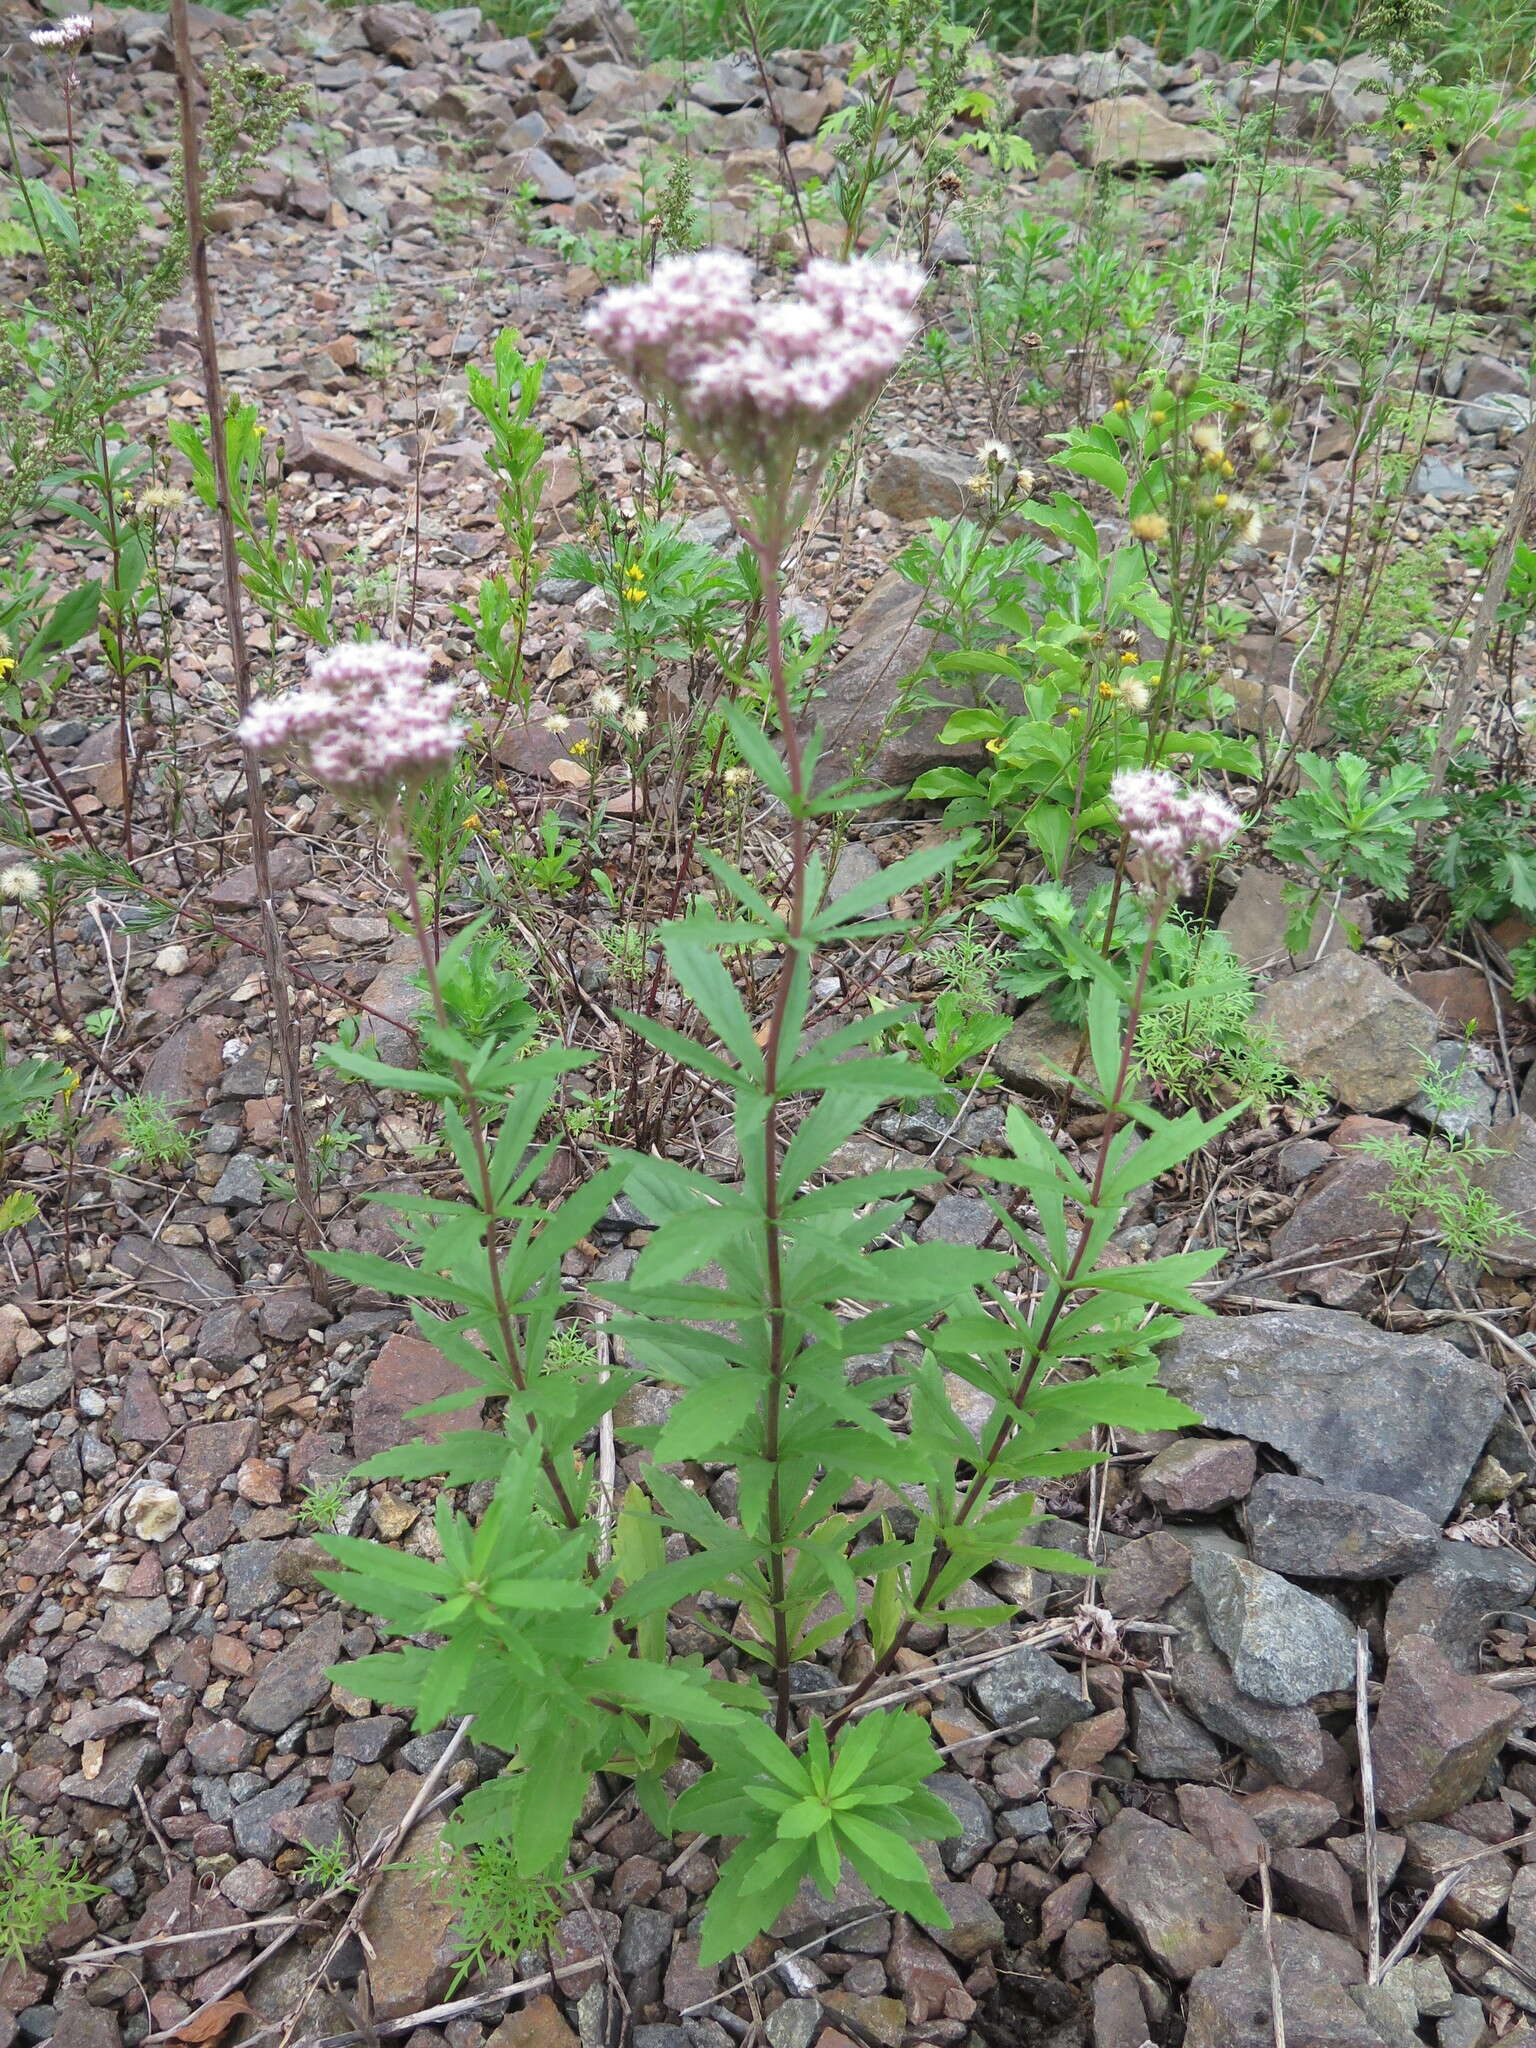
<point x="753" y="378"/>
<point x="1170" y="826"/>
<point x="369" y="724"/>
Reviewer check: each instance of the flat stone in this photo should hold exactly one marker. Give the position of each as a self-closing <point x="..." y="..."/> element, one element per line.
<point x="1171" y="1891"/>
<point x="1287" y="1741"/>
<point x="1224" y="1826"/>
<point x="407" y="1373"/>
<point x="391" y="1002"/>
<point x="1200" y="1475"/>
<point x="1348" y="1025"/>
<point x="328" y="454"/>
<point x="1255" y="921"/>
<point x="1285" y="1646"/>
<point x="975" y="1927"/>
<point x="1037" y="1055"/>
<point x="297" y="1678"/>
<point x="1377" y="1411"/>
<point x="885" y="645"/>
<point x="1437" y="1731"/>
<point x="1312" y="1531"/>
<point x="250" y="1577"/>
<point x="1232" y="2004"/>
<point x="254" y="1819"/>
<point x="1338" y="1240"/>
<point x="977" y="1831"/>
<point x="125" y="1767"/>
<point x="409" y="1922"/>
<point x="179" y="1274"/>
<point x="1134" y="132"/>
<point x="1026" y="1685"/>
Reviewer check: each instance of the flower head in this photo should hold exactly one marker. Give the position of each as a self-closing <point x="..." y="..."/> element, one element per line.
<point x="756" y="381"/>
<point x="1150" y="527"/>
<point x="634" y="719"/>
<point x="159" y="498"/>
<point x="1169" y="826"/>
<point x="556" y="723"/>
<point x="368" y="726"/>
<point x="20" y="884"/>
<point x="67" y="34"/>
<point x="606" y="701"/>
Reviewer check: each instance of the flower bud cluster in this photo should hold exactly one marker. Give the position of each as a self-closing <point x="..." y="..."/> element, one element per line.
<point x="67" y="34"/>
<point x="368" y="726"/>
<point x="1168" y="826"/>
<point x="756" y="380"/>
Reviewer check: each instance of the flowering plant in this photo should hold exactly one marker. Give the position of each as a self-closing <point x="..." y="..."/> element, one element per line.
<point x="546" y="1617"/>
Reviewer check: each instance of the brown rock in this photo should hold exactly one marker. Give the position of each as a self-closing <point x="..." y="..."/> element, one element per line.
<point x="1348" y="1025"/>
<point x="407" y="1373"/>
<point x="1089" y="1742"/>
<point x="1144" y="1576"/>
<point x="1120" y="2017"/>
<point x="1436" y="1733"/>
<point x="1220" y="1824"/>
<point x="1170" y="1889"/>
<point x="1459" y="997"/>
<point x="1200" y="1475"/>
<point x="927" y="1980"/>
<point x="1339" y="1235"/>
<point x="538" y="2024"/>
<point x="1313" y="1884"/>
<point x="1255" y="923"/>
<point x="327" y="454"/>
<point x="1509" y="1177"/>
<point x="187" y="1065"/>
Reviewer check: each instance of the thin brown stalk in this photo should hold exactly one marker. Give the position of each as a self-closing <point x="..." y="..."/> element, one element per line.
<point x="272" y="947"/>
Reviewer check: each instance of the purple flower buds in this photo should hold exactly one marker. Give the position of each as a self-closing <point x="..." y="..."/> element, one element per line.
<point x="756" y="380"/>
<point x="368" y="726"/>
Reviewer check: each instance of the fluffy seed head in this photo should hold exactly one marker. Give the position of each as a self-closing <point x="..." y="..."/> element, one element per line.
<point x="20" y="884"/>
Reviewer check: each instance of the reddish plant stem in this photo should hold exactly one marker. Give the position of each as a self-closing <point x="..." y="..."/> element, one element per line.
<point x="272" y="949"/>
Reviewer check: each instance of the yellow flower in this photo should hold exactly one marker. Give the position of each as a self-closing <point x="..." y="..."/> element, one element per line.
<point x="1121" y="406"/>
<point x="1108" y="693"/>
<point x="1130" y="658"/>
<point x="6" y="664"/>
<point x="579" y="747"/>
<point x="1074" y="711"/>
<point x="1227" y="466"/>
<point x="995" y="746"/>
<point x="1220" y="501"/>
<point x="1159" y="417"/>
<point x="472" y="822"/>
<point x="1149" y="526"/>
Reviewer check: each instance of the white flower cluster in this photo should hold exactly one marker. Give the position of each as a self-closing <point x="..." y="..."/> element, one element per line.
<point x="758" y="380"/>
<point x="368" y="726"/>
<point x="67" y="34"/>
<point x="1170" y="826"/>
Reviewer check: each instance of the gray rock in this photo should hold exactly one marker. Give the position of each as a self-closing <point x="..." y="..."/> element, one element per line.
<point x="795" y="2025"/>
<point x="226" y="1336"/>
<point x="16" y="1444"/>
<point x="1500" y="412"/>
<point x="1348" y="1025"/>
<point x="1509" y="1177"/>
<point x="250" y="1577"/>
<point x="646" y="1940"/>
<point x="1349" y="1404"/>
<point x="26" y="1675"/>
<point x="1026" y="1685"/>
<point x="1285" y="1646"/>
<point x="241" y="1184"/>
<point x="175" y="1273"/>
<point x="957" y="1219"/>
<point x="1232" y="2005"/>
<point x="1475" y="1100"/>
<point x="1434" y="477"/>
<point x="124" y="1768"/>
<point x="253" y="1818"/>
<point x="1287" y="1741"/>
<point x="977" y="1832"/>
<point x="1169" y="1745"/>
<point x="132" y="1625"/>
<point x="1458" y="1598"/>
<point x="35" y="1392"/>
<point x="1312" y="1531"/>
